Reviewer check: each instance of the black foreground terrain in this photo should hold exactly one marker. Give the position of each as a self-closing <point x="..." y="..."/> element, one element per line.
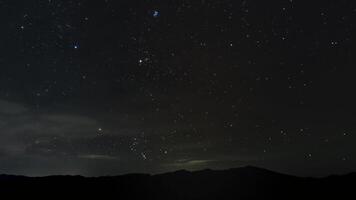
<point x="240" y="183"/>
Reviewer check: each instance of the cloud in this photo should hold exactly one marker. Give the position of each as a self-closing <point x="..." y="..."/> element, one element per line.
<point x="26" y="132"/>
<point x="97" y="157"/>
<point x="67" y="125"/>
<point x="69" y="119"/>
<point x="190" y="163"/>
<point x="9" y="108"/>
<point x="33" y="124"/>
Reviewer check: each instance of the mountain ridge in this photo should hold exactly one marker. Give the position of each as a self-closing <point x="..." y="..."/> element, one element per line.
<point x="236" y="183"/>
<point x="182" y="171"/>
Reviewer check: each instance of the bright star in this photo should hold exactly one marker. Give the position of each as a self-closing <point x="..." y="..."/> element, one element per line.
<point x="155" y="13"/>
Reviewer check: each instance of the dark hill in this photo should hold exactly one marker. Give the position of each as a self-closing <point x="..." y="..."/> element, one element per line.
<point x="240" y="183"/>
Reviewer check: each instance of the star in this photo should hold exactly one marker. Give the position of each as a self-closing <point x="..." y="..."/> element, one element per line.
<point x="155" y="14"/>
<point x="143" y="156"/>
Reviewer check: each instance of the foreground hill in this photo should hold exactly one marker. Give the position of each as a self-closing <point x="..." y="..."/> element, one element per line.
<point x="240" y="183"/>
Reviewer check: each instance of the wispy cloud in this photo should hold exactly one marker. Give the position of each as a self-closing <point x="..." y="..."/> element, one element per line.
<point x="98" y="157"/>
<point x="10" y="108"/>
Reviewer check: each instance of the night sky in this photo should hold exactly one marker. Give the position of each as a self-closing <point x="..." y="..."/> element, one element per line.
<point x="107" y="87"/>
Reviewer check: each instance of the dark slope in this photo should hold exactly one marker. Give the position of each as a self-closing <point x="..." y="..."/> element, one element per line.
<point x="240" y="183"/>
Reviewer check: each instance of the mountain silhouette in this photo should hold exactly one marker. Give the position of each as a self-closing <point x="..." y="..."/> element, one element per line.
<point x="240" y="183"/>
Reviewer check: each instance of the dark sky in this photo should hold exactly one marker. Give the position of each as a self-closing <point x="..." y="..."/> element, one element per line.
<point x="105" y="87"/>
